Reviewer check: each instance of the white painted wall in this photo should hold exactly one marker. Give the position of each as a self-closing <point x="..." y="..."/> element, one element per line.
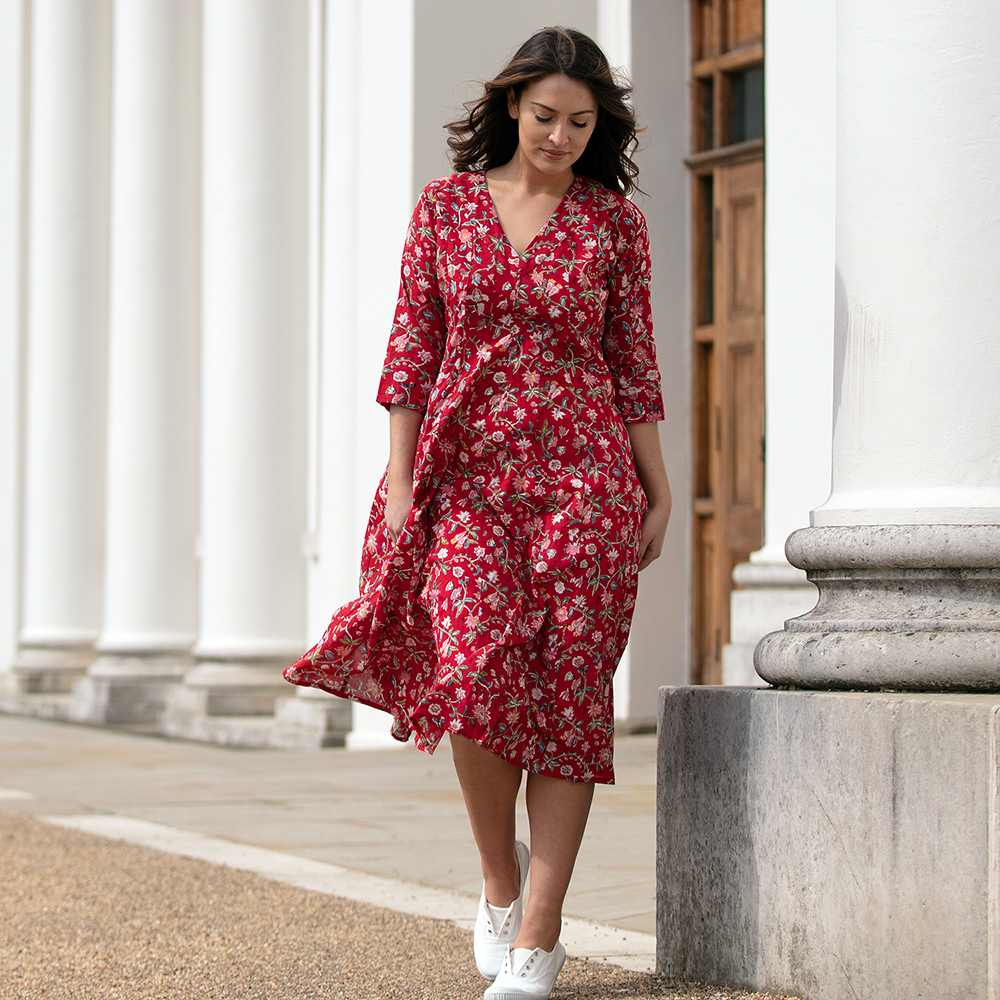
<point x="659" y="647"/>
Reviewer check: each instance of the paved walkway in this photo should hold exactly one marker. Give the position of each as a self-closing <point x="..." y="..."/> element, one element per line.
<point x="318" y="820"/>
<point x="397" y="813"/>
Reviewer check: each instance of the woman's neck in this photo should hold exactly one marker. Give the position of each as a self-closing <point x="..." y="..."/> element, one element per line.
<point x="521" y="177"/>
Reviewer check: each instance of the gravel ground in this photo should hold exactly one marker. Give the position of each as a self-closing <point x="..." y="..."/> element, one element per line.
<point x="83" y="917"/>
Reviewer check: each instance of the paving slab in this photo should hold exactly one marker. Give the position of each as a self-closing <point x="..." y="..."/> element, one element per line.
<point x="396" y="813"/>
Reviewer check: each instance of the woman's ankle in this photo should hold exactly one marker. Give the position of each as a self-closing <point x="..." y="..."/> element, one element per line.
<point x="539" y="931"/>
<point x="502" y="881"/>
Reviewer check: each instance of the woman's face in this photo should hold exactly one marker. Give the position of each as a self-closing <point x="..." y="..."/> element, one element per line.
<point x="555" y="118"/>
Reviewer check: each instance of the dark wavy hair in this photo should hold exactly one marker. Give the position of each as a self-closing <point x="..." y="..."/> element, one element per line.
<point x="486" y="136"/>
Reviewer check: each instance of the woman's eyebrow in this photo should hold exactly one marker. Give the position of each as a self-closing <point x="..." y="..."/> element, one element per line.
<point x="572" y="114"/>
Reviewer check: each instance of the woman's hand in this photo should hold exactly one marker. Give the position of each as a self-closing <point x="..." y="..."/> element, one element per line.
<point x="404" y="429"/>
<point x="645" y="439"/>
<point x="398" y="502"/>
<point x="654" y="527"/>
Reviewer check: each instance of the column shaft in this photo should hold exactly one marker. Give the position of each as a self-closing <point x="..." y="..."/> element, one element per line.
<point x="253" y="394"/>
<point x="906" y="551"/>
<point x="13" y="59"/>
<point x="150" y="599"/>
<point x="916" y="407"/>
<point x="67" y="339"/>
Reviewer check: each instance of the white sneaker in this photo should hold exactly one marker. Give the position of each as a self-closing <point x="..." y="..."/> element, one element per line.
<point x="527" y="973"/>
<point x="496" y="928"/>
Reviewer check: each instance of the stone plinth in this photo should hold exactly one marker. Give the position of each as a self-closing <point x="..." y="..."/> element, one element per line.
<point x="311" y="719"/>
<point x="914" y="606"/>
<point x="40" y="681"/>
<point x="231" y="703"/>
<point x="832" y="845"/>
<point x="126" y="690"/>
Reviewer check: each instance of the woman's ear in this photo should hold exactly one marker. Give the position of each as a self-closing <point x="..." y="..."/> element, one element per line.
<point x="512" y="103"/>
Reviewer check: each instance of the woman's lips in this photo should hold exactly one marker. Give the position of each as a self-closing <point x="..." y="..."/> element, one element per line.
<point x="555" y="154"/>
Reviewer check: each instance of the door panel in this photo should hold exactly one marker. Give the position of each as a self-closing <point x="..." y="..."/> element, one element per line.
<point x="729" y="407"/>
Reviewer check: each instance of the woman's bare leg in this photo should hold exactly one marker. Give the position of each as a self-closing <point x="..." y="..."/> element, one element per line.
<point x="490" y="786"/>
<point x="557" y="816"/>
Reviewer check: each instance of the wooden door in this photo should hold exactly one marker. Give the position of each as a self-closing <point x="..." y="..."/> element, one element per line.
<point x="727" y="167"/>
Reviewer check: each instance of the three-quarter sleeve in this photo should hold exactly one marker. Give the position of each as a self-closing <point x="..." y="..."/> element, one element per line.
<point x="628" y="328"/>
<point x="417" y="339"/>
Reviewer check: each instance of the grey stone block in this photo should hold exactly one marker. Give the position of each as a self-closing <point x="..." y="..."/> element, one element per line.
<point x="310" y="723"/>
<point x="15" y="701"/>
<point x="836" y="846"/>
<point x="231" y="703"/>
<point x="46" y="670"/>
<point x="125" y="690"/>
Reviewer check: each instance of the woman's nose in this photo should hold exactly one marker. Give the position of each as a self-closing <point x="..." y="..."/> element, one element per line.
<point x="558" y="135"/>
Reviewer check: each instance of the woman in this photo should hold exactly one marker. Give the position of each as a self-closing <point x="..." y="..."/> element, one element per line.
<point x="525" y="485"/>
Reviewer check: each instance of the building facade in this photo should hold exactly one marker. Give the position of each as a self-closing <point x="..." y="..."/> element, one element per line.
<point x="202" y="205"/>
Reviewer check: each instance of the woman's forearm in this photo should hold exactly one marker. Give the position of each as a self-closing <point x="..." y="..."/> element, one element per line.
<point x="404" y="429"/>
<point x="645" y="439"/>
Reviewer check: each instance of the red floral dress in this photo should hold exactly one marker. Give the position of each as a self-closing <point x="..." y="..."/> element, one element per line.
<point x="503" y="610"/>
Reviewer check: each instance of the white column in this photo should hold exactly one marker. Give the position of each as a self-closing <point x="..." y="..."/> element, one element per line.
<point x="916" y="403"/>
<point x="254" y="315"/>
<point x="67" y="340"/>
<point x="798" y="346"/>
<point x="151" y="585"/>
<point x="907" y="548"/>
<point x="12" y="189"/>
<point x="309" y="717"/>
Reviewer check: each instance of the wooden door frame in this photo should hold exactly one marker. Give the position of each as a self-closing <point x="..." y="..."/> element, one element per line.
<point x="712" y="66"/>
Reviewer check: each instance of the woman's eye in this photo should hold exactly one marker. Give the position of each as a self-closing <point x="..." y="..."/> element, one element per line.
<point x="580" y="124"/>
<point x="539" y="118"/>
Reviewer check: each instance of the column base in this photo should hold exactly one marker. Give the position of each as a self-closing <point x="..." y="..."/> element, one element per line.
<point x="231" y="703"/>
<point x="126" y="690"/>
<point x="310" y="720"/>
<point x="40" y="680"/>
<point x="770" y="593"/>
<point x="835" y="845"/>
<point x="902" y="607"/>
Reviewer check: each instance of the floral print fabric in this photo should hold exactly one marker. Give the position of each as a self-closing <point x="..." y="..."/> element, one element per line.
<point x="502" y="611"/>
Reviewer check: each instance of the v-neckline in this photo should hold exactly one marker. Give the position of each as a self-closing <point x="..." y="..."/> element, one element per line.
<point x="523" y="254"/>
